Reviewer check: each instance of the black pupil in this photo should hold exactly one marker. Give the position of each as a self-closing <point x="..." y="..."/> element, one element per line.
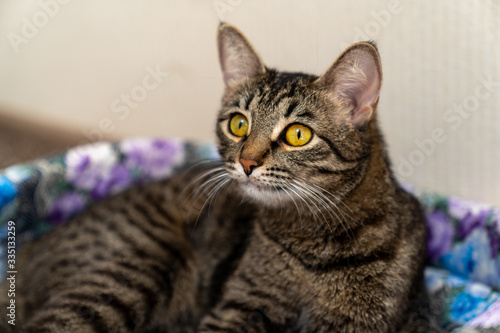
<point x="241" y="123"/>
<point x="299" y="134"/>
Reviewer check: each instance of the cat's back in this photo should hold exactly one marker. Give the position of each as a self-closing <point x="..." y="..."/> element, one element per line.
<point x="153" y="257"/>
<point x="116" y="267"/>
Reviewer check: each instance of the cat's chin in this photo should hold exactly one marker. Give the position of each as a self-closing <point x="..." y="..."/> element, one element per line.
<point x="266" y="195"/>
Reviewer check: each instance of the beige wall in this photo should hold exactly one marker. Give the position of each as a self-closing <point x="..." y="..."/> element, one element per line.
<point x="75" y="67"/>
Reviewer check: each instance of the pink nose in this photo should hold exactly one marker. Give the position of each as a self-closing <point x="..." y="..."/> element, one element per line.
<point x="248" y="165"/>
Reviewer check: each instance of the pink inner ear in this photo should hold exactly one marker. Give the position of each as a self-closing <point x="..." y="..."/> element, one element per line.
<point x="229" y="70"/>
<point x="237" y="66"/>
<point x="237" y="58"/>
<point x="357" y="80"/>
<point x="371" y="88"/>
<point x="228" y="63"/>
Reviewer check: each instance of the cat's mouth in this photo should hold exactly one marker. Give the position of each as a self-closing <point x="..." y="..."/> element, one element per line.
<point x="265" y="192"/>
<point x="261" y="187"/>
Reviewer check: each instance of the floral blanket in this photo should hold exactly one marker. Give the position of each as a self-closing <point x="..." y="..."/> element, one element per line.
<point x="463" y="275"/>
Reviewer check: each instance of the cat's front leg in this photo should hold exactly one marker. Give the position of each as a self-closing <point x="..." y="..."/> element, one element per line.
<point x="238" y="314"/>
<point x="252" y="303"/>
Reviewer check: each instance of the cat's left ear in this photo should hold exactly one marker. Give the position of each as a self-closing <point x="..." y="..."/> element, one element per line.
<point x="354" y="81"/>
<point x="238" y="59"/>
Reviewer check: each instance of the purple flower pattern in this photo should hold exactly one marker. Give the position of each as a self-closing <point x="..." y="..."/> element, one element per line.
<point x="117" y="180"/>
<point x="156" y="158"/>
<point x="66" y="206"/>
<point x="96" y="169"/>
<point x="472" y="220"/>
<point x="440" y="234"/>
<point x="463" y="238"/>
<point x="89" y="165"/>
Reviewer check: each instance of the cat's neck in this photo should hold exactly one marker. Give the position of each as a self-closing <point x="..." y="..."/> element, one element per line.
<point x="356" y="224"/>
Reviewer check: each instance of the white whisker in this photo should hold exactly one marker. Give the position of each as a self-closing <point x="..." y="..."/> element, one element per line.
<point x="321" y="189"/>
<point x="321" y="197"/>
<point x="220" y="183"/>
<point x="313" y="200"/>
<point x="296" y="206"/>
<point x="200" y="190"/>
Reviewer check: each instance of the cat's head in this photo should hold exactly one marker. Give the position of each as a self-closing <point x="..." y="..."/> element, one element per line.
<point x="283" y="135"/>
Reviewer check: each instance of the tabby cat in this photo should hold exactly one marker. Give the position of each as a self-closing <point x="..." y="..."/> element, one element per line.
<point x="309" y="230"/>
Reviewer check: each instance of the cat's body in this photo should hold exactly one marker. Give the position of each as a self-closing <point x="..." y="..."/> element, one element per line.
<point x="141" y="261"/>
<point x="311" y="232"/>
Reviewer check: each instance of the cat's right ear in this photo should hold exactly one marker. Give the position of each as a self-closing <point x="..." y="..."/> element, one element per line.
<point x="353" y="82"/>
<point x="238" y="59"/>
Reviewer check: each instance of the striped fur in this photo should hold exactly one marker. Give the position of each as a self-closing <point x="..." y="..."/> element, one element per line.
<point x="120" y="267"/>
<point x="131" y="262"/>
<point x="316" y="238"/>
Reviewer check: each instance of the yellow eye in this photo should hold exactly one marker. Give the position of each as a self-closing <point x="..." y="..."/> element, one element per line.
<point x="298" y="135"/>
<point x="238" y="125"/>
